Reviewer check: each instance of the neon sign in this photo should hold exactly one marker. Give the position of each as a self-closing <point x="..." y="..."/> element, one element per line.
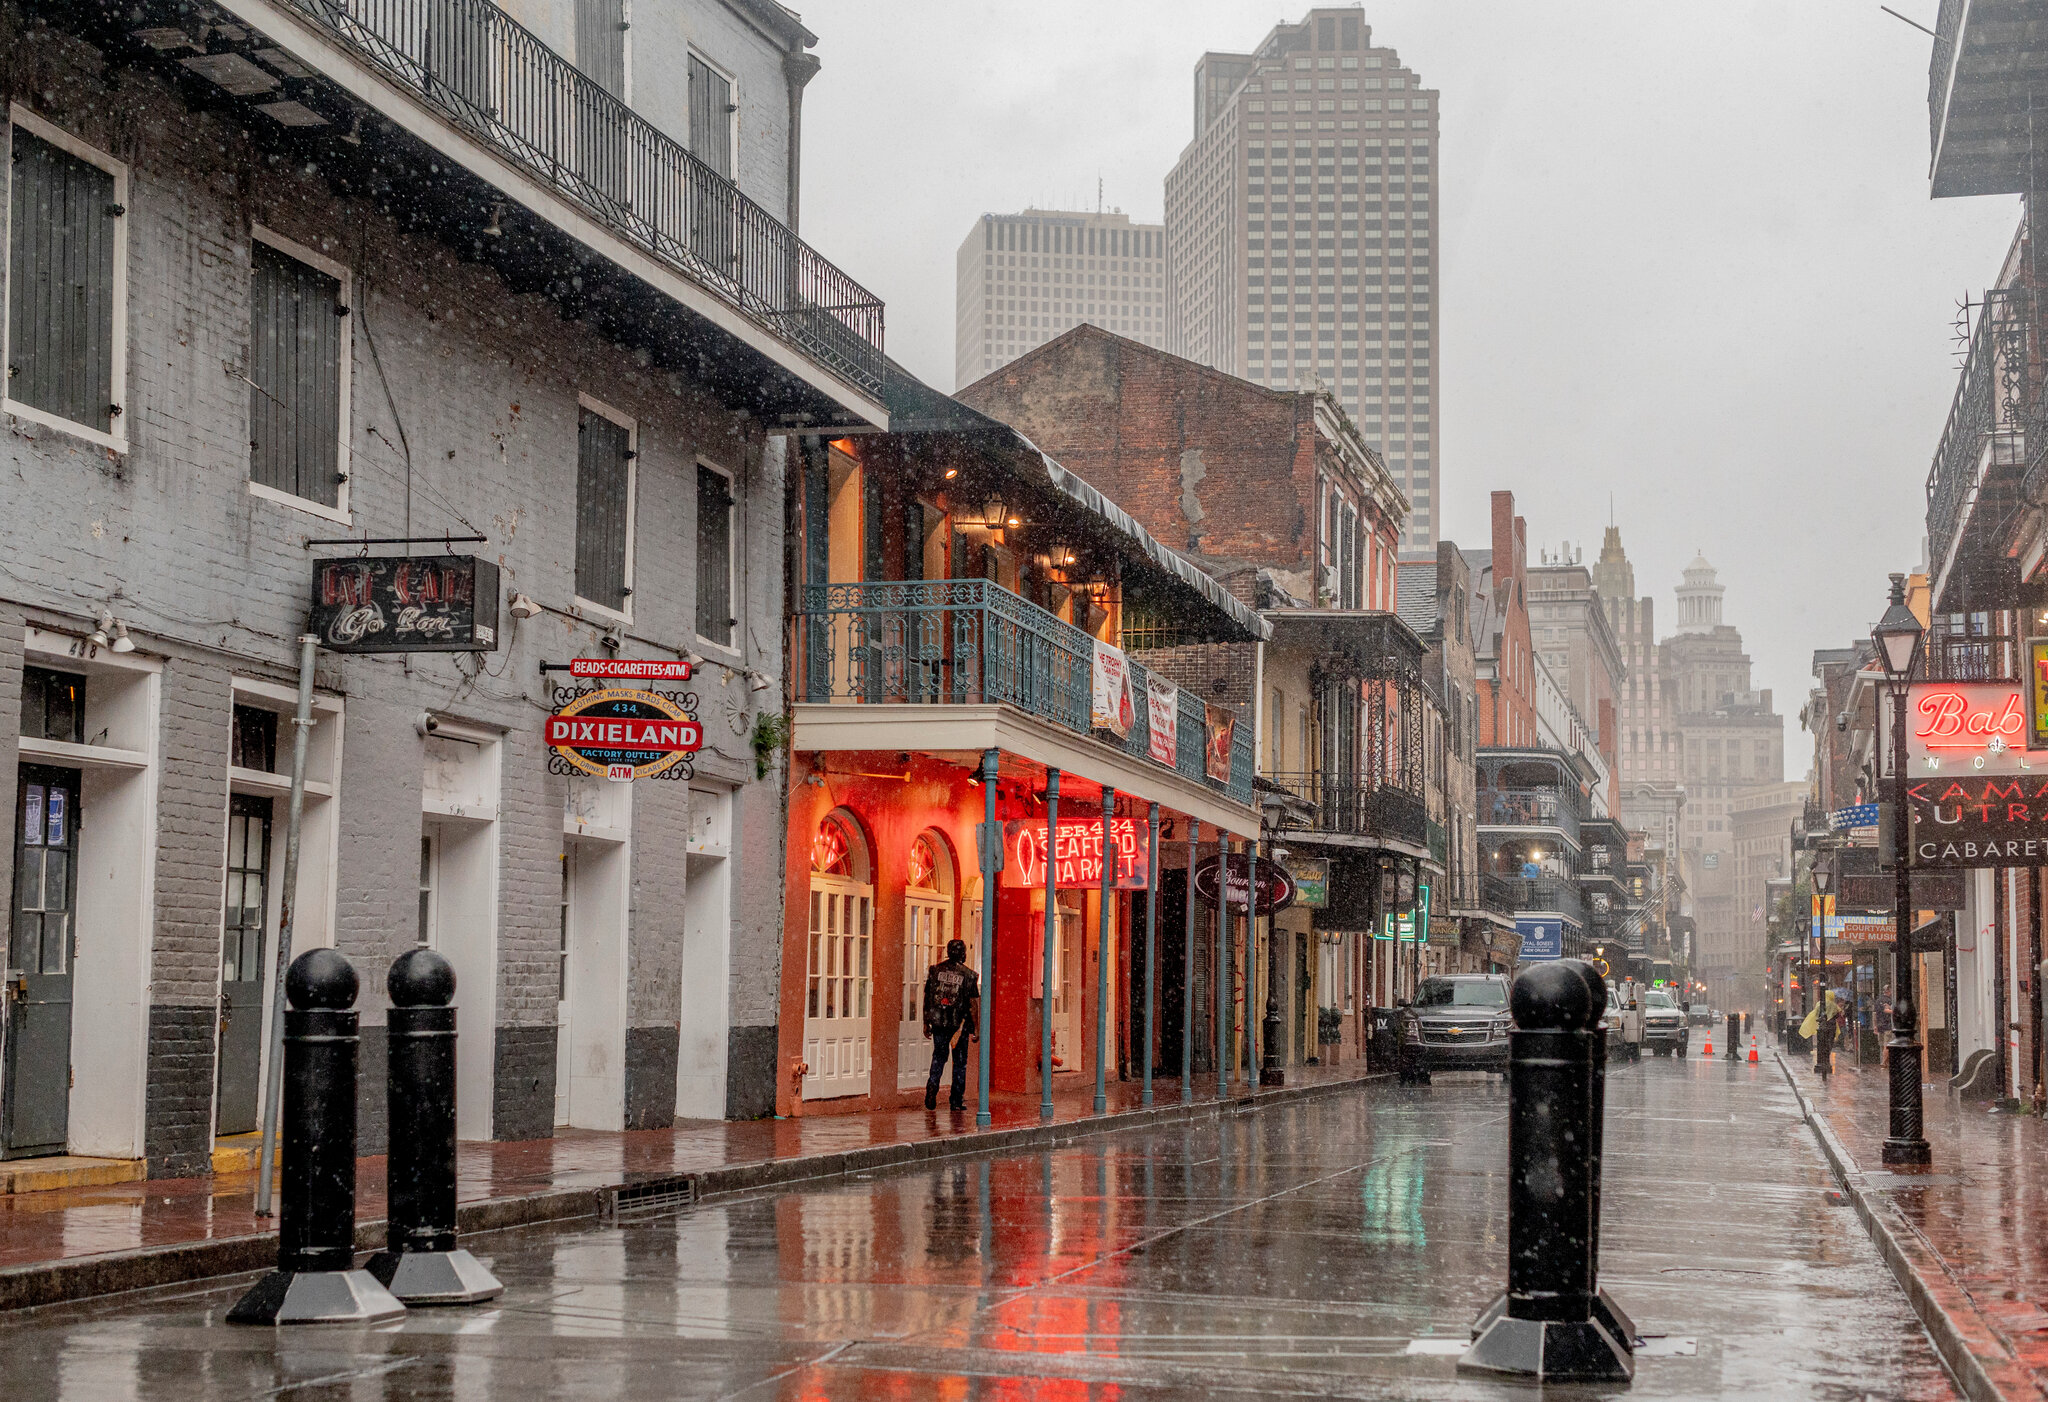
<point x="1969" y="727"/>
<point x="1077" y="854"/>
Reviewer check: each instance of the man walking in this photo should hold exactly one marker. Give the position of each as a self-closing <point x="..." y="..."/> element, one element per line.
<point x="952" y="1018"/>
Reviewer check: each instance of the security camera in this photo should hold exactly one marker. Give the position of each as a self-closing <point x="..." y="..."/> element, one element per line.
<point x="426" y="724"/>
<point x="1842" y="722"/>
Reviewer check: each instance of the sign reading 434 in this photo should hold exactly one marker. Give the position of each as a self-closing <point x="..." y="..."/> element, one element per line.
<point x="623" y="734"/>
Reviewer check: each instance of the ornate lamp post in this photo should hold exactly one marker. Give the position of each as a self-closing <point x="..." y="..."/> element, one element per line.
<point x="1822" y="878"/>
<point x="1898" y="639"/>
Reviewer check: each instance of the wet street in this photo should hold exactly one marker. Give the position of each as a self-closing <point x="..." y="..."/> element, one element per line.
<point x="1339" y="1247"/>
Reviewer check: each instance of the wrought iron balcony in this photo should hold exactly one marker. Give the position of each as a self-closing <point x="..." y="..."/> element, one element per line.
<point x="1997" y="411"/>
<point x="1952" y="657"/>
<point x="497" y="81"/>
<point x="1988" y="62"/>
<point x="971" y="642"/>
<point x="1353" y="806"/>
<point x="1542" y="806"/>
<point x="1549" y="893"/>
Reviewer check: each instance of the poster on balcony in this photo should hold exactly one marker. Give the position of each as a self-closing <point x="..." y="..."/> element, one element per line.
<point x="2037" y="693"/>
<point x="1969" y="728"/>
<point x="1162" y="721"/>
<point x="1115" y="709"/>
<point x="1542" y="937"/>
<point x="1221" y="729"/>
<point x="1979" y="820"/>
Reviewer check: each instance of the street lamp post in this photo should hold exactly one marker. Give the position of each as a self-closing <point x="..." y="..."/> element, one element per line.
<point x="1898" y="638"/>
<point x="1822" y="878"/>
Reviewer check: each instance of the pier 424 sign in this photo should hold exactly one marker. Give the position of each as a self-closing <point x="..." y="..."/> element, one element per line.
<point x="623" y="733"/>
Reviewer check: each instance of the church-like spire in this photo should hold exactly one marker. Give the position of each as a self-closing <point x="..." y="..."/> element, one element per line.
<point x="1613" y="576"/>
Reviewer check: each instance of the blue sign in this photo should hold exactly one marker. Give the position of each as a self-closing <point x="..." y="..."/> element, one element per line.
<point x="1542" y="937"/>
<point x="1530" y="871"/>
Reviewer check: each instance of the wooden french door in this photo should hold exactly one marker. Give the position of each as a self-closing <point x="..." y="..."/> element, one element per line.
<point x="35" y="1111"/>
<point x="839" y="987"/>
<point x="927" y="925"/>
<point x="245" y="941"/>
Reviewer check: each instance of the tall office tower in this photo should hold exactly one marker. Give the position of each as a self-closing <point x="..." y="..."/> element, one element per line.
<point x="1022" y="279"/>
<point x="1301" y="247"/>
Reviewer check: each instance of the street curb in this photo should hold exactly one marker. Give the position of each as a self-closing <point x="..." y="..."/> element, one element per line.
<point x="115" y="1272"/>
<point x="1976" y="1355"/>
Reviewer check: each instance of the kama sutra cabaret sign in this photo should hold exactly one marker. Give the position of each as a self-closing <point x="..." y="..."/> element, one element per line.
<point x="406" y="603"/>
<point x="1078" y="854"/>
<point x="622" y="734"/>
<point x="1979" y="820"/>
<point x="1969" y="728"/>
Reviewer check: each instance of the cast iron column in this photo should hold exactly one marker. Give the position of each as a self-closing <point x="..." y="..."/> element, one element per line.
<point x="1151" y="949"/>
<point x="1109" y="879"/>
<point x="1221" y="973"/>
<point x="1270" y="1073"/>
<point x="1905" y="1143"/>
<point x="991" y="865"/>
<point x="1187" y="976"/>
<point x="1251" y="959"/>
<point x="1052" y="916"/>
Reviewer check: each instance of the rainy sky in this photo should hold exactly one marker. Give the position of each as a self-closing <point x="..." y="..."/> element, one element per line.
<point x="1688" y="254"/>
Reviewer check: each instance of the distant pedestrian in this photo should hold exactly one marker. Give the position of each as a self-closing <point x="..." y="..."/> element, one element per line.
<point x="1821" y="1025"/>
<point x="952" y="1018"/>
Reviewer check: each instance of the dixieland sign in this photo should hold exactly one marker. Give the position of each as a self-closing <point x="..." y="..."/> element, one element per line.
<point x="1979" y="820"/>
<point x="622" y="734"/>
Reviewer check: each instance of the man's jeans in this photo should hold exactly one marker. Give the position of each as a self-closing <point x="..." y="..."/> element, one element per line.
<point x="958" y="1049"/>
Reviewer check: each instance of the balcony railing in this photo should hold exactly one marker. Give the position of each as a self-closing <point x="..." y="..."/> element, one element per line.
<point x="499" y="82"/>
<point x="971" y="641"/>
<point x="1952" y="657"/>
<point x="1539" y="807"/>
<point x="1550" y="893"/>
<point x="1351" y="806"/>
<point x="1996" y="408"/>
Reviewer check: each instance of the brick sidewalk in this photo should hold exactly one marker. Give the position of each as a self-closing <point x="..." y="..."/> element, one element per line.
<point x="1969" y="1241"/>
<point x="74" y="1242"/>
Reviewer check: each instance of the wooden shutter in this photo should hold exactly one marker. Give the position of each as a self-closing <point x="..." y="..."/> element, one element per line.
<point x="710" y="117"/>
<point x="294" y="377"/>
<point x="601" y="43"/>
<point x="603" y="498"/>
<point x="60" y="324"/>
<point x="714" y="556"/>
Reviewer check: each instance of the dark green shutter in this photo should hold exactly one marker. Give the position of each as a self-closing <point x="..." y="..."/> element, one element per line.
<point x="294" y="377"/>
<point x="710" y="117"/>
<point x="601" y="43"/>
<point x="602" y="474"/>
<point x="60" y="325"/>
<point x="714" y="557"/>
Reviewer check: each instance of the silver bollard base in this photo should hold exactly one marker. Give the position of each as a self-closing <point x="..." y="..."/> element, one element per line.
<point x="435" y="1277"/>
<point x="316" y="1297"/>
<point x="1550" y="1350"/>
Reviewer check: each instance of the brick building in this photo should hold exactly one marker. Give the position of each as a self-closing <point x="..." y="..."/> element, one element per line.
<point x="319" y="300"/>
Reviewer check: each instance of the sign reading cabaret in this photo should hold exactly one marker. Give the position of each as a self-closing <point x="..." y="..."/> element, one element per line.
<point x="405" y="603"/>
<point x="1077" y="854"/>
<point x="1979" y="820"/>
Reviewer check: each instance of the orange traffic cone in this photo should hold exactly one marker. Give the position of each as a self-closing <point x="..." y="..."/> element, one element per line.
<point x="1709" y="1049"/>
<point x="1752" y="1049"/>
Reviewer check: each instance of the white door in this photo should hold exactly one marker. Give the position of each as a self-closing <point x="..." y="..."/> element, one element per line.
<point x="927" y="925"/>
<point x="836" y="1017"/>
<point x="1066" y="994"/>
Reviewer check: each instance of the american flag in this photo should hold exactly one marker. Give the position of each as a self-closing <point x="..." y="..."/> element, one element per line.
<point x="1861" y="815"/>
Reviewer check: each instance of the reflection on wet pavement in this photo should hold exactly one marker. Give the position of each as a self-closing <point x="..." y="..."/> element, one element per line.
<point x="1300" y="1251"/>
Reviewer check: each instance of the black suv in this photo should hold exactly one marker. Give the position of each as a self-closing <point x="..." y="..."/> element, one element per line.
<point x="1459" y="1023"/>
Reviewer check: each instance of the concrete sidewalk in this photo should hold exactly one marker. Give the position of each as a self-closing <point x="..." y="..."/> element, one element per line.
<point x="73" y="1243"/>
<point x="1967" y="1236"/>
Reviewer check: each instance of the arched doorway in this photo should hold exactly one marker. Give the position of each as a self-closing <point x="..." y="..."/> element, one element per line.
<point x="928" y="922"/>
<point x="840" y="979"/>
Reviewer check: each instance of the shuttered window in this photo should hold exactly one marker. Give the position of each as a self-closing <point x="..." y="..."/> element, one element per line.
<point x="64" y="227"/>
<point x="601" y="43"/>
<point x="710" y="116"/>
<point x="604" y="511"/>
<point x="714" y="556"/>
<point x="295" y="338"/>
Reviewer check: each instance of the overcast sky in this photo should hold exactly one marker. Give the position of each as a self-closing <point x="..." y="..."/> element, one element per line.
<point x="1688" y="254"/>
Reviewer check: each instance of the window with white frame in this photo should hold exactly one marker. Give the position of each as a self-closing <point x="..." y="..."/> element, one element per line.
<point x="298" y="373"/>
<point x="715" y="606"/>
<point x="605" y="450"/>
<point x="67" y="282"/>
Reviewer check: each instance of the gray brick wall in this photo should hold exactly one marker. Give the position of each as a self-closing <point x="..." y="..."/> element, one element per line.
<point x="463" y="417"/>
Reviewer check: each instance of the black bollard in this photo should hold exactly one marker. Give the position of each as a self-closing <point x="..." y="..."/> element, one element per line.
<point x="1554" y="1326"/>
<point x="1734" y="1036"/>
<point x="420" y="1263"/>
<point x="316" y="1281"/>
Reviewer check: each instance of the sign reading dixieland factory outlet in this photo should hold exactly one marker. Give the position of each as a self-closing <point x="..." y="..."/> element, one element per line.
<point x="623" y="733"/>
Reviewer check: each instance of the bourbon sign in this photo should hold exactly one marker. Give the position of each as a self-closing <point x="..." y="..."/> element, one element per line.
<point x="406" y="603"/>
<point x="1969" y="728"/>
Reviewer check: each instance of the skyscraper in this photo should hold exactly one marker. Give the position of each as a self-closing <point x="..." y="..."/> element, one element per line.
<point x="1301" y="242"/>
<point x="1021" y="279"/>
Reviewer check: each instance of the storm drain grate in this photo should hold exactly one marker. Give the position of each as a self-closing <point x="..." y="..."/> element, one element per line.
<point x="654" y="1195"/>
